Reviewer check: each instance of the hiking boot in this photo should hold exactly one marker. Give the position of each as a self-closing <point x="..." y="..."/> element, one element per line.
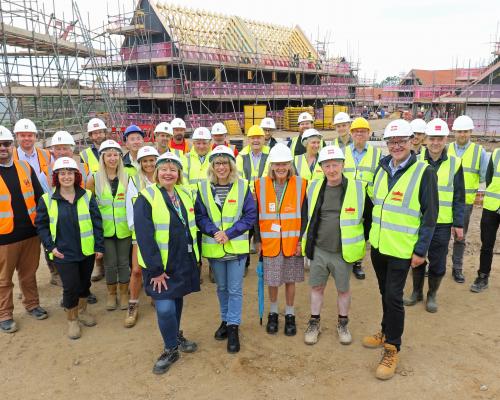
<point x="111" y="299"/>
<point x="123" y="296"/>
<point x="91" y="299"/>
<point x="84" y="316"/>
<point x="418" y="274"/>
<point x="132" y="314"/>
<point x="272" y="323"/>
<point x="165" y="361"/>
<point x="312" y="332"/>
<point x="233" y="339"/>
<point x="480" y="283"/>
<point x="74" y="331"/>
<point x="8" y="326"/>
<point x="387" y="366"/>
<point x="38" y="313"/>
<point x="458" y="276"/>
<point x="98" y="271"/>
<point x="290" y="327"/>
<point x="374" y="341"/>
<point x="343" y="331"/>
<point x="184" y="345"/>
<point x="431" y="303"/>
<point x="221" y="332"/>
<point x="357" y="270"/>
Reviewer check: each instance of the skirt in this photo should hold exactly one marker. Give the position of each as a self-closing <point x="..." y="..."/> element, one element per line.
<point x="280" y="269"/>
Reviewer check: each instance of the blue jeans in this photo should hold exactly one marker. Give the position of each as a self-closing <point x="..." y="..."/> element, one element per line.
<point x="229" y="279"/>
<point x="168" y="313"/>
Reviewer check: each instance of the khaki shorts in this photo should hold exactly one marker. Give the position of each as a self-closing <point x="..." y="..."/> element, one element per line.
<point x="326" y="263"/>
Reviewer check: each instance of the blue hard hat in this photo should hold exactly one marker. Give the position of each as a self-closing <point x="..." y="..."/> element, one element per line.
<point x="132" y="129"/>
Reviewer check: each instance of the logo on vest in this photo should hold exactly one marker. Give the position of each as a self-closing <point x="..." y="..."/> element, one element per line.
<point x="120" y="196"/>
<point x="397" y="196"/>
<point x="26" y="182"/>
<point x="350" y="210"/>
<point x="231" y="201"/>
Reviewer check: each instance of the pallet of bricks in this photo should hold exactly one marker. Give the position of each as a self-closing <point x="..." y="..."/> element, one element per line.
<point x="291" y="116"/>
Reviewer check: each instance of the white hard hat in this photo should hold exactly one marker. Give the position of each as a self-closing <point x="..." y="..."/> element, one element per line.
<point x="178" y="123"/>
<point x="280" y="153"/>
<point x="164" y="127"/>
<point x="65" y="163"/>
<point x="398" y="128"/>
<point x="219" y="129"/>
<point x="221" y="150"/>
<point x="341" y="118"/>
<point x="437" y="127"/>
<point x="463" y="123"/>
<point x="267" y="123"/>
<point x="310" y="133"/>
<point x="305" y="116"/>
<point x="95" y="124"/>
<point x="147" y="151"/>
<point x="62" y="137"/>
<point x="330" y="153"/>
<point x="5" y="134"/>
<point x="202" y="133"/>
<point x="169" y="157"/>
<point x="25" y="125"/>
<point x="109" y="144"/>
<point x="418" y="125"/>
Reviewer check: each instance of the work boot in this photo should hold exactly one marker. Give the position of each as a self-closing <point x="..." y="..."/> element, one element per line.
<point x="233" y="339"/>
<point x="55" y="279"/>
<point x="458" y="276"/>
<point x="38" y="313"/>
<point x="221" y="332"/>
<point x="98" y="271"/>
<point x="8" y="326"/>
<point x="387" y="366"/>
<point x="343" y="331"/>
<point x="357" y="270"/>
<point x="165" y="361"/>
<point x="111" y="300"/>
<point x="431" y="304"/>
<point x="290" y="327"/>
<point x="211" y="274"/>
<point x="313" y="331"/>
<point x="417" y="294"/>
<point x="272" y="323"/>
<point x="123" y="295"/>
<point x="84" y="316"/>
<point x="74" y="331"/>
<point x="374" y="341"/>
<point x="480" y="283"/>
<point x="184" y="345"/>
<point x="132" y="314"/>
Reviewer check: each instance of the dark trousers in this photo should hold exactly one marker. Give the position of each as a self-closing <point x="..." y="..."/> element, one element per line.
<point x="367" y="217"/>
<point x="75" y="278"/>
<point x="168" y="313"/>
<point x="438" y="250"/>
<point x="391" y="276"/>
<point x="490" y="220"/>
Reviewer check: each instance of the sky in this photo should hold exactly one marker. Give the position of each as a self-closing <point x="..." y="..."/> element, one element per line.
<point x="386" y="37"/>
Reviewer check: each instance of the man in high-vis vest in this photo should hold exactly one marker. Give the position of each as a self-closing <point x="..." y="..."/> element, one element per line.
<point x="252" y="163"/>
<point x="96" y="129"/>
<point x="490" y="220"/>
<point x="39" y="159"/>
<point x="178" y="144"/>
<point x="342" y="124"/>
<point x="269" y="127"/>
<point x="305" y="122"/>
<point x="405" y="211"/>
<point x="19" y="243"/>
<point x="450" y="216"/>
<point x="163" y="134"/>
<point x="474" y="164"/>
<point x="334" y="238"/>
<point x="418" y="127"/>
<point x="134" y="140"/>
<point x="219" y="137"/>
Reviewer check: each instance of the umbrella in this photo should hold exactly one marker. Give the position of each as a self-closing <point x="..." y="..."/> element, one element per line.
<point x="260" y="288"/>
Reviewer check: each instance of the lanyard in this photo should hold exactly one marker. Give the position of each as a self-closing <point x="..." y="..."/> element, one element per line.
<point x="278" y="209"/>
<point x="176" y="203"/>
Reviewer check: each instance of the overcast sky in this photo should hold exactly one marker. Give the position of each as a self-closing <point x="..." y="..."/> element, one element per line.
<point x="388" y="37"/>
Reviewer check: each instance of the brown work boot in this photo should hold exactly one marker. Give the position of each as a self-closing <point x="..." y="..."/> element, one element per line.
<point x="132" y="314"/>
<point x="387" y="366"/>
<point x="374" y="341"/>
<point x="73" y="325"/>
<point x="123" y="296"/>
<point x="98" y="272"/>
<point x="84" y="316"/>
<point x="111" y="299"/>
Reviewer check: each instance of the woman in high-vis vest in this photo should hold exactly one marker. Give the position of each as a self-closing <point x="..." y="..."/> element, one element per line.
<point x="282" y="219"/>
<point x="165" y="227"/>
<point x="306" y="165"/>
<point x="69" y="224"/>
<point x="146" y="157"/>
<point x="225" y="212"/>
<point x="109" y="184"/>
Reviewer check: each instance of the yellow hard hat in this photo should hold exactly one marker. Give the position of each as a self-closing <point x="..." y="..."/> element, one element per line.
<point x="360" y="123"/>
<point x="255" y="130"/>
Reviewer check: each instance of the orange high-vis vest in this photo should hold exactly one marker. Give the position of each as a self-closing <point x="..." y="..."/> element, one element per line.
<point x="43" y="159"/>
<point x="280" y="224"/>
<point x="6" y="212"/>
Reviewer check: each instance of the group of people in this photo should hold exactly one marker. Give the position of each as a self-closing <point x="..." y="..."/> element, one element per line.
<point x="146" y="218"/>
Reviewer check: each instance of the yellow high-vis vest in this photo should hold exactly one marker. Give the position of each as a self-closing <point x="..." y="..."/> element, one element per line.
<point x="492" y="194"/>
<point x="471" y="162"/>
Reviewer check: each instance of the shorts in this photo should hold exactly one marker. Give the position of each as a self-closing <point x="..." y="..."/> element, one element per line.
<point x="326" y="263"/>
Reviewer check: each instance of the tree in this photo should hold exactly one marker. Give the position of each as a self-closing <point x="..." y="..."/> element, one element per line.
<point x="390" y="81"/>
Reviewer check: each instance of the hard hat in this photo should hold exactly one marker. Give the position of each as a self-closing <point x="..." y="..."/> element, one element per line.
<point x="25" y="125"/>
<point x="132" y="129"/>
<point x="280" y="153"/>
<point x="463" y="123"/>
<point x="62" y="137"/>
<point x="219" y="129"/>
<point x="202" y="133"/>
<point x="341" y="118"/>
<point x="255" y="130"/>
<point x="330" y="153"/>
<point x="305" y="116"/>
<point x="360" y="123"/>
<point x="164" y="127"/>
<point x="64" y="163"/>
<point x="437" y="127"/>
<point x="418" y="125"/>
<point x="95" y="124"/>
<point x="178" y="123"/>
<point x="310" y="133"/>
<point x="109" y="144"/>
<point x="5" y="134"/>
<point x="268" y="123"/>
<point x="169" y="157"/>
<point x="398" y="128"/>
<point x="146" y="151"/>
<point x="221" y="151"/>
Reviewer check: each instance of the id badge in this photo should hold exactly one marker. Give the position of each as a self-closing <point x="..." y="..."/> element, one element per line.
<point x="275" y="227"/>
<point x="272" y="207"/>
<point x="190" y="248"/>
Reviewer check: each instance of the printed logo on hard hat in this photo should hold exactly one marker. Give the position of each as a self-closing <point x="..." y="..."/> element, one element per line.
<point x="59" y="139"/>
<point x="96" y="125"/>
<point x="331" y="151"/>
<point x="437" y="128"/>
<point x="65" y="161"/>
<point x="394" y="128"/>
<point x="26" y="126"/>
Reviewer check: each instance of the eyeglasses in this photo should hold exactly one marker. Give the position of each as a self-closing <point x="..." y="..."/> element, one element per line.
<point x="6" y="144"/>
<point x="221" y="163"/>
<point x="399" y="143"/>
